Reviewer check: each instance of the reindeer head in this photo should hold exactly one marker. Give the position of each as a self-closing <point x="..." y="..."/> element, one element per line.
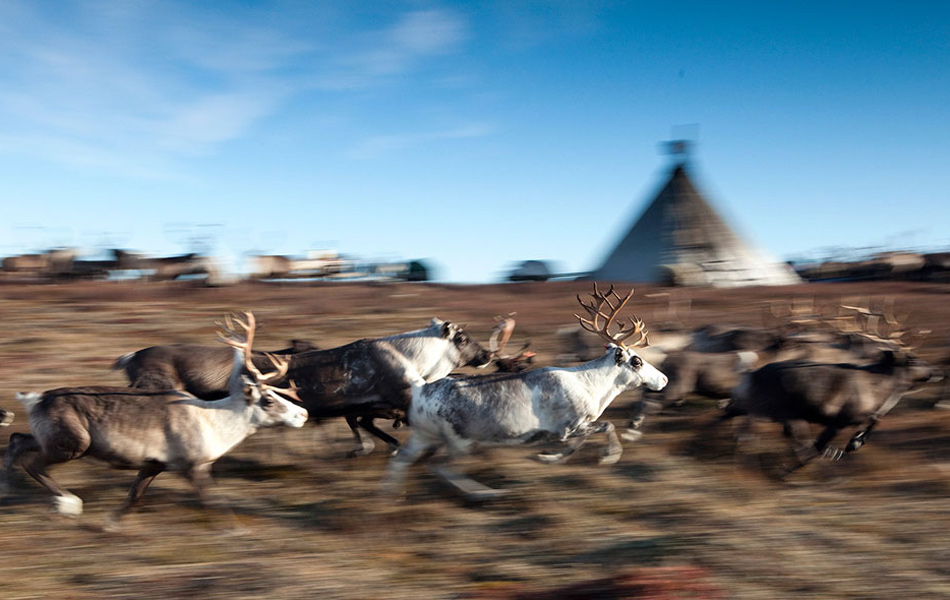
<point x="264" y="399"/>
<point x="625" y="356"/>
<point x="466" y="351"/>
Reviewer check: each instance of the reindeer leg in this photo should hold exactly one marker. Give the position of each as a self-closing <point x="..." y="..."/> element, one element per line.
<point x="200" y="477"/>
<point x="578" y="438"/>
<point x="68" y="447"/>
<point x="19" y="444"/>
<point x="743" y="434"/>
<point x="363" y="446"/>
<point x="824" y="438"/>
<point x="800" y="433"/>
<point x="807" y="451"/>
<point x="614" y="449"/>
<point x="470" y="489"/>
<point x="143" y="479"/>
<point x="572" y="446"/>
<point x="414" y="449"/>
<point x="64" y="502"/>
<point x="861" y="437"/>
<point x="633" y="433"/>
<point x="367" y="424"/>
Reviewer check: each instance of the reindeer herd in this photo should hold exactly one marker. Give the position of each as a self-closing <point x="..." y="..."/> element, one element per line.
<point x="188" y="405"/>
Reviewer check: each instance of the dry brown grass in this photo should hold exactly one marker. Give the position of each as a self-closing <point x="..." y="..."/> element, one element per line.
<point x="676" y="507"/>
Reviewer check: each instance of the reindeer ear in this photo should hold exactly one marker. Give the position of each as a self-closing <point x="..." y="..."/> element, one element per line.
<point x="618" y="354"/>
<point x="249" y="390"/>
<point x="446" y="329"/>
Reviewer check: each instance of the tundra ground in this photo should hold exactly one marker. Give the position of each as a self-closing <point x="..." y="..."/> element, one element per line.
<point x="679" y="516"/>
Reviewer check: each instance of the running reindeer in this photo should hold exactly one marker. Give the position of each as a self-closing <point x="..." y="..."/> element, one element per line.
<point x="354" y="381"/>
<point x="548" y="404"/>
<point x="152" y="431"/>
<point x="203" y="371"/>
<point x="833" y="395"/>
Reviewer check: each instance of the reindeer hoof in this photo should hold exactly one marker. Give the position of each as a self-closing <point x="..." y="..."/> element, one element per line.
<point x="236" y="531"/>
<point x="551" y="458"/>
<point x="832" y="454"/>
<point x="486" y="495"/>
<point x="111" y="524"/>
<point x="631" y="435"/>
<point x="610" y="458"/>
<point x="361" y="451"/>
<point x="856" y="442"/>
<point x="68" y="506"/>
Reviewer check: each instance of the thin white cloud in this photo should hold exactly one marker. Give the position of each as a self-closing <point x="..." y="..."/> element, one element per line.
<point x="429" y="32"/>
<point x="118" y="83"/>
<point x="211" y="120"/>
<point x="395" y="50"/>
<point x="377" y="146"/>
<point x="92" y="83"/>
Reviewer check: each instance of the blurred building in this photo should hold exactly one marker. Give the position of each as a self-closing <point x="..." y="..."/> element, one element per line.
<point x="680" y="239"/>
<point x="531" y="270"/>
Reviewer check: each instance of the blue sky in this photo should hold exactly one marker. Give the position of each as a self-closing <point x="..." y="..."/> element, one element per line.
<point x="475" y="133"/>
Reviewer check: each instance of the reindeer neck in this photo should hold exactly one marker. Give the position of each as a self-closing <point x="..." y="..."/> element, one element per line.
<point x="228" y="421"/>
<point x="421" y="349"/>
<point x="601" y="382"/>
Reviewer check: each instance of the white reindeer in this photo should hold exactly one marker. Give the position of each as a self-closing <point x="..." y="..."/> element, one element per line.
<point x="547" y="404"/>
<point x="152" y="431"/>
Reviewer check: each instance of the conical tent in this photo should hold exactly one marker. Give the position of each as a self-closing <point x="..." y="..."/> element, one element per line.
<point x="680" y="239"/>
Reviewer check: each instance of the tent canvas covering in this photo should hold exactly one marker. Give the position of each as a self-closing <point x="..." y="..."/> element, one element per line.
<point x="680" y="239"/>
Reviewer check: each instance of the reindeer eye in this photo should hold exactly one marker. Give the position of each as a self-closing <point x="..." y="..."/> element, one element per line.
<point x="461" y="342"/>
<point x="636" y="362"/>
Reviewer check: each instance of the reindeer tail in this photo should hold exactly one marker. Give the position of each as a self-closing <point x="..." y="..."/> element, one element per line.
<point x="123" y="361"/>
<point x="29" y="399"/>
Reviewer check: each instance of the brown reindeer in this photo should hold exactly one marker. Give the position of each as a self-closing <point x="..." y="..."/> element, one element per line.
<point x="833" y="395"/>
<point x="151" y="431"/>
<point x="202" y="371"/>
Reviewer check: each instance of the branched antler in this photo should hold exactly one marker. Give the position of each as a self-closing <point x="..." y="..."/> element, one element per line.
<point x="880" y="327"/>
<point x="239" y="333"/>
<point x="508" y="363"/>
<point x="614" y="305"/>
<point x="504" y="326"/>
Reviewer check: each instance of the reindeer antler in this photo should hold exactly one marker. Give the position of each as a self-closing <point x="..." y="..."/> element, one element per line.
<point x="244" y="340"/>
<point x="504" y="326"/>
<point x="871" y="329"/>
<point x="614" y="304"/>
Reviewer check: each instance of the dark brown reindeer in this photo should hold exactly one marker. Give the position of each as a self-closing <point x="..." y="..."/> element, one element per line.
<point x="202" y="371"/>
<point x="151" y="431"/>
<point x="718" y="357"/>
<point x="365" y="380"/>
<point x="834" y="395"/>
<point x="355" y="381"/>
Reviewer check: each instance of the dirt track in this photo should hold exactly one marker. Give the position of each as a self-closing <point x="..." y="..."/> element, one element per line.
<point x="675" y="516"/>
